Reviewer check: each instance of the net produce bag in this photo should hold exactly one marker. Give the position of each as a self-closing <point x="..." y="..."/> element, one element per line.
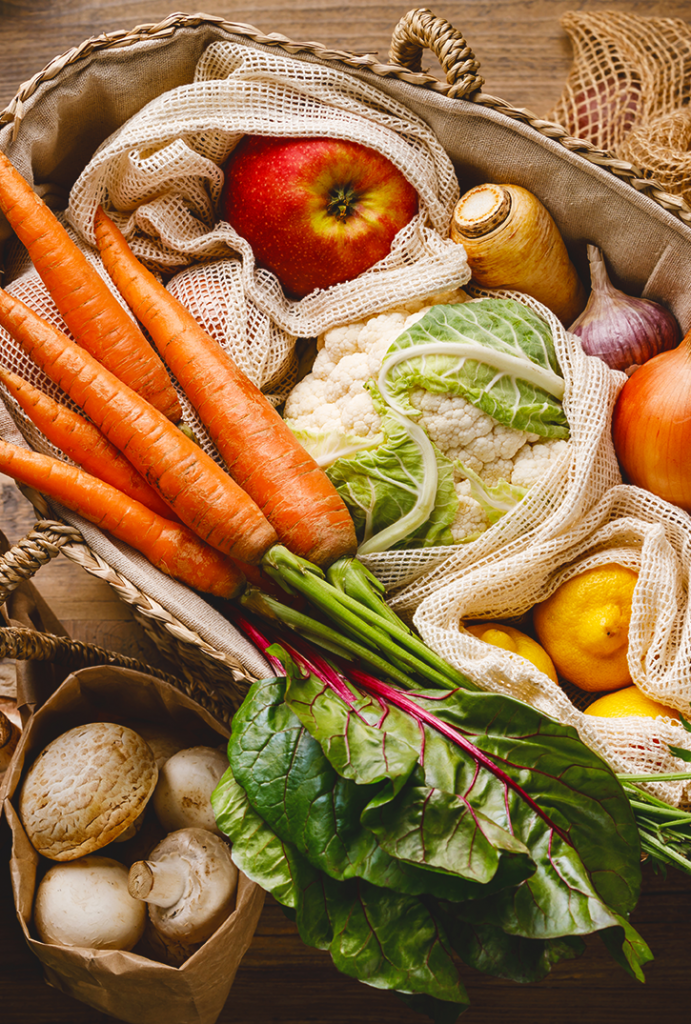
<point x="628" y="92"/>
<point x="628" y="527"/>
<point x="160" y="178"/>
<point x="556" y="501"/>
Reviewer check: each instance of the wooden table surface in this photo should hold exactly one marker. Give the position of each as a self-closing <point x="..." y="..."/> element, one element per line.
<point x="525" y="57"/>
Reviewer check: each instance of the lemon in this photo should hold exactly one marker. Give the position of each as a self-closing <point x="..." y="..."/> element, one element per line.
<point x="584" y="627"/>
<point x="511" y="639"/>
<point x="629" y="701"/>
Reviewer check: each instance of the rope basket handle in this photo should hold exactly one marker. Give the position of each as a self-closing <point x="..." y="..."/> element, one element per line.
<point x="420" y="29"/>
<point x="26" y="557"/>
<point x="20" y="563"/>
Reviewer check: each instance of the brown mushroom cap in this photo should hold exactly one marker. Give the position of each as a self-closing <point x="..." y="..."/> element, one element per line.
<point x="85" y="789"/>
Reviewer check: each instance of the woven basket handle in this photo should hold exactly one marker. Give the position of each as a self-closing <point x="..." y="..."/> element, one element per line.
<point x="20" y="563"/>
<point x="23" y="560"/>
<point x="419" y="29"/>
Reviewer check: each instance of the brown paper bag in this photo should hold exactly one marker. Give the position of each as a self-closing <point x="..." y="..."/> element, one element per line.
<point x="127" y="985"/>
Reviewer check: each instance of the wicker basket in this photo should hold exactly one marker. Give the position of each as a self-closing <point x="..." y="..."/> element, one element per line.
<point x="484" y="136"/>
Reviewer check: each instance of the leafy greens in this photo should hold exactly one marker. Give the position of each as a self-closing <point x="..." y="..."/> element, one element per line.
<point x="400" y="828"/>
<point x="496" y="354"/>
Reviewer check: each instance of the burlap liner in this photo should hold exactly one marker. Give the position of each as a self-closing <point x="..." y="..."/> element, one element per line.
<point x="630" y="527"/>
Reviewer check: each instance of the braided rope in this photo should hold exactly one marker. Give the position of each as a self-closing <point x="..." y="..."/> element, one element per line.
<point x="23" y="644"/>
<point x="23" y="560"/>
<point x="212" y="676"/>
<point x="420" y="28"/>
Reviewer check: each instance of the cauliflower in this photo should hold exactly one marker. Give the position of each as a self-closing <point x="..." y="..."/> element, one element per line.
<point x="336" y="415"/>
<point x="333" y="394"/>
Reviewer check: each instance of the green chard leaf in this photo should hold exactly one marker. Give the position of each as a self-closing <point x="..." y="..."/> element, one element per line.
<point x="318" y="811"/>
<point x="489" y="949"/>
<point x="257" y="851"/>
<point x="414" y="823"/>
<point x="370" y="944"/>
<point x="501" y="358"/>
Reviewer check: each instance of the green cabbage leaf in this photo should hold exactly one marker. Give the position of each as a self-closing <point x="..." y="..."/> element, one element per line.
<point x="495" y="353"/>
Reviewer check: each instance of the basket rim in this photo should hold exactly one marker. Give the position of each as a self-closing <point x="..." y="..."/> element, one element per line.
<point x="629" y="173"/>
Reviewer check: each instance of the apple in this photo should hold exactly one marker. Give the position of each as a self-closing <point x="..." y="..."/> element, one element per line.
<point x="316" y="211"/>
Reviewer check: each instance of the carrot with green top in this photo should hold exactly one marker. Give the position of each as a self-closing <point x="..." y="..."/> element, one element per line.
<point x="91" y="311"/>
<point x="261" y="452"/>
<point x="170" y="547"/>
<point x="198" y="490"/>
<point x="82" y="441"/>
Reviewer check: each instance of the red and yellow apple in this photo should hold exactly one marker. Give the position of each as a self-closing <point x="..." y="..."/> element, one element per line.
<point x="316" y="211"/>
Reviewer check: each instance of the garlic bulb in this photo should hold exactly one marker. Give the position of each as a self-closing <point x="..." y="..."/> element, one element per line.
<point x="622" y="330"/>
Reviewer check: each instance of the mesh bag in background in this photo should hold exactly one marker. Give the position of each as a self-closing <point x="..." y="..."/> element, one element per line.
<point x="555" y="502"/>
<point x="630" y="527"/>
<point x="628" y="92"/>
<point x="25" y="284"/>
<point x="160" y="179"/>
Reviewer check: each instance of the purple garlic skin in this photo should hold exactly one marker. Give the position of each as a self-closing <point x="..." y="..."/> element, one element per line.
<point x="620" y="329"/>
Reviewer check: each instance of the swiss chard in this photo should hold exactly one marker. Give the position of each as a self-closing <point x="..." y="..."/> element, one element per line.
<point x="399" y="826"/>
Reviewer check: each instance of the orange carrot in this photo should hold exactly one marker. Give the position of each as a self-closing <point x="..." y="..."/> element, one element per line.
<point x="203" y="496"/>
<point x="260" y="451"/>
<point x="82" y="442"/>
<point x="171" y="547"/>
<point x="89" y="308"/>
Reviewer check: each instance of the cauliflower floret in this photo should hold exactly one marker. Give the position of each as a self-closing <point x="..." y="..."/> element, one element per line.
<point x="533" y="460"/>
<point x="359" y="416"/>
<point x="462" y="431"/>
<point x="470" y="518"/>
<point x="309" y="403"/>
<point x="347" y="358"/>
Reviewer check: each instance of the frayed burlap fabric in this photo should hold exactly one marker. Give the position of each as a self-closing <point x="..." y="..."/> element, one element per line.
<point x="628" y="92"/>
<point x="630" y="527"/>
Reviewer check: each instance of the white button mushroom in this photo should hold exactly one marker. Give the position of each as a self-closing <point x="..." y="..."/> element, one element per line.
<point x="189" y="882"/>
<point x="86" y="903"/>
<point x="182" y="798"/>
<point x="85" y="789"/>
<point x="163" y="740"/>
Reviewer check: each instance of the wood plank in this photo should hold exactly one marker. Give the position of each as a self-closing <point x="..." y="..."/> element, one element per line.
<point x="525" y="57"/>
<point x="523" y="51"/>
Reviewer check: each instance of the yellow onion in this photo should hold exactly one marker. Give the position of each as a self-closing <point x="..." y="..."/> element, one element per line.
<point x="651" y="426"/>
<point x="622" y="330"/>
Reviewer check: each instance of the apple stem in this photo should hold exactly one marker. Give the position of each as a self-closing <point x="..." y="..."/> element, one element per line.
<point x="342" y="202"/>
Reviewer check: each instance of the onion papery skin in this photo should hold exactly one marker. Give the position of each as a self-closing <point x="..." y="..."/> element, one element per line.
<point x="651" y="426"/>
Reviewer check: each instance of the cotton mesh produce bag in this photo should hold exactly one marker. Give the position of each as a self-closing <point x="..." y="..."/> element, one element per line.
<point x="628" y="92"/>
<point x="159" y="177"/>
<point x="630" y="527"/>
<point x="558" y="500"/>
